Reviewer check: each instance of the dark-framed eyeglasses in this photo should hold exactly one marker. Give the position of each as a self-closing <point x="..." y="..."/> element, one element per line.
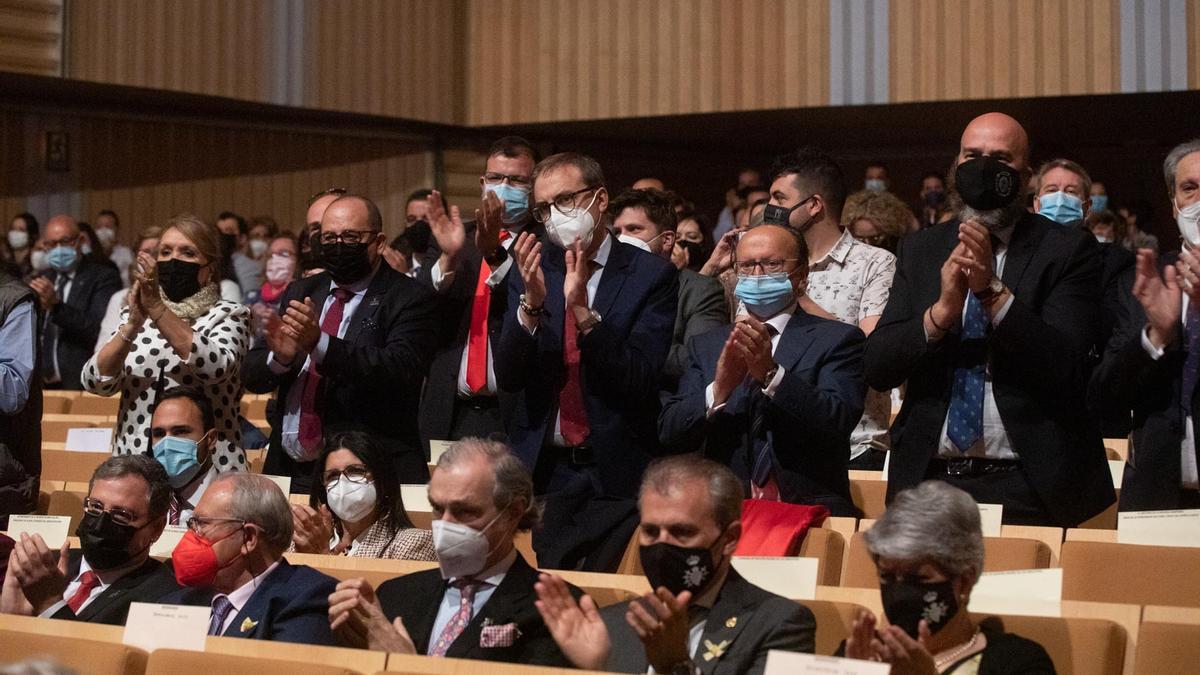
<point x="495" y="178"/>
<point x="747" y="268"/>
<point x="200" y="525"/>
<point x="355" y="473"/>
<point x="567" y="204"/>
<point x="347" y="237"/>
<point x="95" y="507"/>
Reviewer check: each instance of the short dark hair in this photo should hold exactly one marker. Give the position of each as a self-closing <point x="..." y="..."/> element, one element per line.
<point x="1105" y="217"/>
<point x="593" y="175"/>
<point x="31" y="224"/>
<point x="512" y="147"/>
<point x="197" y="398"/>
<point x="230" y="215"/>
<point x="389" y="506"/>
<point x="111" y="214"/>
<point x="656" y="204"/>
<point x="418" y="196"/>
<point x="933" y="174"/>
<point x="743" y="193"/>
<point x="374" y="218"/>
<point x="724" y="488"/>
<point x="148" y="469"/>
<point x="877" y="164"/>
<point x="816" y="172"/>
<point x="267" y="222"/>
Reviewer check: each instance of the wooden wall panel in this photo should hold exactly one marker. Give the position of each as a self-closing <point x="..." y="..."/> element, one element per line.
<point x="1193" y="10"/>
<point x="967" y="49"/>
<point x="31" y="33"/>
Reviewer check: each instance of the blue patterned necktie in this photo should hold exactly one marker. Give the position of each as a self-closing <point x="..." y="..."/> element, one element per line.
<point x="220" y="609"/>
<point x="1191" y="366"/>
<point x="760" y="437"/>
<point x="965" y="424"/>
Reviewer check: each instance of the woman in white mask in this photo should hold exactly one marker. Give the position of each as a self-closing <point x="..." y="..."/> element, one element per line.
<point x="17" y="247"/>
<point x="282" y="262"/>
<point x="355" y="508"/>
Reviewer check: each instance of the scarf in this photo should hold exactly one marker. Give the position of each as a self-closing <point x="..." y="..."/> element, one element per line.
<point x="195" y="306"/>
<point x="270" y="294"/>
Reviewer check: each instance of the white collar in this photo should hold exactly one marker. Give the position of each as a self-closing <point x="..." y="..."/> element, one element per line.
<point x="192" y="492"/>
<point x="494" y="574"/>
<point x="778" y="322"/>
<point x="601" y="256"/>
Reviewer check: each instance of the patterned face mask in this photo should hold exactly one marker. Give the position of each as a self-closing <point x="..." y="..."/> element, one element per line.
<point x="906" y="603"/>
<point x="677" y="568"/>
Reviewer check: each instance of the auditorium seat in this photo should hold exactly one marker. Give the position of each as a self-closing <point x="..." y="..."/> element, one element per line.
<point x="1075" y="645"/>
<point x="1169" y="640"/>
<point x="1117" y="448"/>
<point x="65" y="503"/>
<point x="55" y="427"/>
<point x="90" y="404"/>
<point x="88" y="648"/>
<point x="425" y="665"/>
<point x="1131" y="573"/>
<point x="63" y="465"/>
<point x="254" y="409"/>
<point x="1105" y="520"/>
<point x="869" y="495"/>
<point x="173" y="662"/>
<point x="355" y="660"/>
<point x="55" y="405"/>
<point x="835" y="622"/>
<point x="1000" y="554"/>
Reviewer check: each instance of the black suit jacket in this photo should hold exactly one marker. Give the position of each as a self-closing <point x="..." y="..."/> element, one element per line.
<point x="150" y="582"/>
<point x="701" y="308"/>
<point x="748" y="620"/>
<point x="78" y="316"/>
<point x="1040" y="357"/>
<point x="416" y="598"/>
<point x="291" y="604"/>
<point x="809" y="419"/>
<point x="371" y="377"/>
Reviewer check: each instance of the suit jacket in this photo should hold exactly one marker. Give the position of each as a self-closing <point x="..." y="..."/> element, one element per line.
<point x="150" y="582"/>
<point x="371" y="377"/>
<point x="416" y="598"/>
<point x="809" y="419"/>
<point x="701" y="308"/>
<point x="291" y="604"/>
<point x="620" y="362"/>
<point x="747" y="619"/>
<point x="78" y="316"/>
<point x="1039" y="357"/>
<point x="1118" y="266"/>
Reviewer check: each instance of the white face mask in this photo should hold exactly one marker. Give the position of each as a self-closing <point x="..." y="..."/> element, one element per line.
<point x="563" y="231"/>
<point x="1189" y="223"/>
<point x="106" y="235"/>
<point x="257" y="248"/>
<point x="18" y="239"/>
<point x="1103" y="240"/>
<point x="461" y="550"/>
<point x="280" y="269"/>
<point x="350" y="501"/>
<point x="39" y="261"/>
<point x="634" y="241"/>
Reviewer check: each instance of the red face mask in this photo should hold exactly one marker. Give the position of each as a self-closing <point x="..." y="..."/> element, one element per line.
<point x="195" y="561"/>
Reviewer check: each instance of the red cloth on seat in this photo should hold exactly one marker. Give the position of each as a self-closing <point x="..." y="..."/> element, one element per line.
<point x="772" y="528"/>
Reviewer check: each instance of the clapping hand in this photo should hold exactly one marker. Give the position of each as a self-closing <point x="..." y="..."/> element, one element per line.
<point x="661" y="621"/>
<point x="1160" y="297"/>
<point x="312" y="529"/>
<point x="357" y="618"/>
<point x="447" y="228"/>
<point x="753" y="343"/>
<point x="575" y="626"/>
<point x="301" y="323"/>
<point x="528" y="253"/>
<point x="489" y="223"/>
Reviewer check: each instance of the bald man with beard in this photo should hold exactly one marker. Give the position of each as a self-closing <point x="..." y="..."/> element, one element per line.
<point x="992" y="321"/>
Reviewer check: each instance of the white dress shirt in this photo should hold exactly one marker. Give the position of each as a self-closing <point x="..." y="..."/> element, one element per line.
<point x="242" y="595"/>
<point x="1188" y="476"/>
<point x="107" y="578"/>
<point x="779" y="322"/>
<point x="452" y="598"/>
<point x="191" y="494"/>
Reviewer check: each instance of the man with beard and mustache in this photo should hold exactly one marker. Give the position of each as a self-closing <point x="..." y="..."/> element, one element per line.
<point x="992" y="320"/>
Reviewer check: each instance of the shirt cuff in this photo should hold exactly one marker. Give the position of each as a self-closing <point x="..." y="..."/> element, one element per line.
<point x="440" y="280"/>
<point x="709" y="406"/>
<point x="499" y="273"/>
<point x="53" y="609"/>
<point x="1151" y="351"/>
<point x="322" y="347"/>
<point x="773" y="385"/>
<point x="275" y="366"/>
<point x="527" y="322"/>
<point x="1003" y="311"/>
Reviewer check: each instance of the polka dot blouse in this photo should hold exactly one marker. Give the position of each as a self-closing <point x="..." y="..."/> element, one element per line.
<point x="220" y="339"/>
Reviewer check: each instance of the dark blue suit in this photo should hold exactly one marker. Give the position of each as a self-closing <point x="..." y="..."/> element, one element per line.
<point x="621" y="360"/>
<point x="291" y="604"/>
<point x="809" y="419"/>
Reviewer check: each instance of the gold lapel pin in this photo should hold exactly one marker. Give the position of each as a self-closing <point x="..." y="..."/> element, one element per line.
<point x="715" y="651"/>
<point x="248" y="624"/>
<point x="732" y="622"/>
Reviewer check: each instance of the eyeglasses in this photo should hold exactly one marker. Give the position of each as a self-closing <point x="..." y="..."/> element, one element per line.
<point x="66" y="241"/>
<point x="95" y="507"/>
<point x="347" y="237"/>
<point x="746" y="268"/>
<point x="355" y="473"/>
<point x="338" y="191"/>
<point x="198" y="525"/>
<point x="566" y="204"/>
<point x="493" y="178"/>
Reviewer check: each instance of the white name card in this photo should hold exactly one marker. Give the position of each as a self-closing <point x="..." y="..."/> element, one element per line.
<point x="796" y="663"/>
<point x="1159" y="528"/>
<point x="437" y="449"/>
<point x="990" y="517"/>
<point x="166" y="542"/>
<point x="415" y="497"/>
<point x="89" y="439"/>
<point x="151" y="626"/>
<point x="1117" y="468"/>
<point x="887" y="463"/>
<point x="284" y="483"/>
<point x="1024" y="592"/>
<point x="791" y="577"/>
<point x="53" y="529"/>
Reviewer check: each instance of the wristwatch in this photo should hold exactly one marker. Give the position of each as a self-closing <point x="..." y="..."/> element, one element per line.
<point x="995" y="287"/>
<point x="593" y="318"/>
<point x="530" y="309"/>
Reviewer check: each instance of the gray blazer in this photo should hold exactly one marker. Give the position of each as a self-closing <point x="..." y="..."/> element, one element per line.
<point x="701" y="307"/>
<point x="743" y="625"/>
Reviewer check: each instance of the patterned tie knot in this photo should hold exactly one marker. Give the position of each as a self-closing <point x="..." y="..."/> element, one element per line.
<point x="467" y="587"/>
<point x="89" y="580"/>
<point x="342" y="295"/>
<point x="220" y="609"/>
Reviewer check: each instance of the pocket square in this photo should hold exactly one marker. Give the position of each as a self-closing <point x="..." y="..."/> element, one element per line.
<point x="499" y="636"/>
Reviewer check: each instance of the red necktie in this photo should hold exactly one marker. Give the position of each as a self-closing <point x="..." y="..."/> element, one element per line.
<point x="477" y="338"/>
<point x="87" y="583"/>
<point x="572" y="416"/>
<point x="310" y="419"/>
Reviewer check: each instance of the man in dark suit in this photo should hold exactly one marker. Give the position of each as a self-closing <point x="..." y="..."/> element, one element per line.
<point x="471" y="278"/>
<point x="702" y="616"/>
<point x="348" y="351"/>
<point x="74" y="295"/>
<point x="776" y="396"/>
<point x="586" y="334"/>
<point x="232" y="560"/>
<point x="20" y="398"/>
<point x="1151" y="364"/>
<point x="480" y="604"/>
<point x="646" y="219"/>
<point x="992" y="321"/>
<point x="124" y="513"/>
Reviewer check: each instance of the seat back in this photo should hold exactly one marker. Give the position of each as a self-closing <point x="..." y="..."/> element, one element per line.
<point x="1131" y="573"/>
<point x="95" y="657"/>
<point x="174" y="661"/>
<point x="65" y="503"/>
<point x="835" y="621"/>
<point x="1000" y="554"/>
<point x="357" y="660"/>
<point x="1076" y="646"/>
<point x="90" y="404"/>
<point x="869" y="495"/>
<point x="70" y="466"/>
<point x="1169" y="641"/>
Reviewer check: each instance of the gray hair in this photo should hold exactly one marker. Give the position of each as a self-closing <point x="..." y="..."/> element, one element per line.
<point x="934" y="522"/>
<point x="512" y="479"/>
<point x="1174" y="157"/>
<point x="145" y="467"/>
<point x="724" y="488"/>
<point x="258" y="500"/>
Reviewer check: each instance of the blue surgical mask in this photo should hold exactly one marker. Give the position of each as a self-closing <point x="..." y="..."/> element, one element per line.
<point x="179" y="457"/>
<point x="875" y="184"/>
<point x="516" y="201"/>
<point x="1061" y="207"/>
<point x="1099" y="202"/>
<point x="63" y="258"/>
<point x="765" y="295"/>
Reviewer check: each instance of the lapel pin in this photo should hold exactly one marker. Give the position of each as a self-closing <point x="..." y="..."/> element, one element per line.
<point x="248" y="624"/>
<point x="732" y="622"/>
<point x="715" y="651"/>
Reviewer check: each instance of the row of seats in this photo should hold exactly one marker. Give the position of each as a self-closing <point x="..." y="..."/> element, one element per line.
<point x="58" y="402"/>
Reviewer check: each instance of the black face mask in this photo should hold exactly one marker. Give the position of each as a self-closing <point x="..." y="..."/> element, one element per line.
<point x="985" y="183"/>
<point x="695" y="251"/>
<point x="105" y="543"/>
<point x="228" y="244"/>
<point x="418" y="235"/>
<point x="934" y="198"/>
<point x="906" y="603"/>
<point x="346" y="263"/>
<point x="781" y="215"/>
<point x="677" y="568"/>
<point x="179" y="279"/>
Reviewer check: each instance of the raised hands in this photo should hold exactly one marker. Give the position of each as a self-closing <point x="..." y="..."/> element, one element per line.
<point x="489" y="223"/>
<point x="313" y="528"/>
<point x="575" y="626"/>
<point x="42" y="578"/>
<point x="890" y="644"/>
<point x="1160" y="297"/>
<point x="722" y="255"/>
<point x="753" y="343"/>
<point x="148" y="298"/>
<point x="575" y="281"/>
<point x="661" y="621"/>
<point x="447" y="229"/>
<point x="977" y="259"/>
<point x="357" y="619"/>
<point x="528" y="253"/>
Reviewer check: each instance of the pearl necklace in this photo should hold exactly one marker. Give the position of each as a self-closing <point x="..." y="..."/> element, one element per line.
<point x="954" y="655"/>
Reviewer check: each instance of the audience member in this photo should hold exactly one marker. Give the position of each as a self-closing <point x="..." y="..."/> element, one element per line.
<point x="356" y="507"/>
<point x="280" y="269"/>
<point x="648" y="184"/>
<point x="587" y="331"/>
<point x="17" y="247"/>
<point x="1063" y="190"/>
<point x="176" y="331"/>
<point x="1138" y="216"/>
<point x="259" y="233"/>
<point x="231" y="558"/>
<point x="348" y="351"/>
<point x="480" y="603"/>
<point x="73" y="295"/>
<point x="183" y="431"/>
<point x="107" y="225"/>
<point x="471" y="276"/>
<point x="776" y="396"/>
<point x="992" y="322"/>
<point x="247" y="271"/>
<point x="878" y="219"/>
<point x="690" y="525"/>
<point x="935" y="207"/>
<point x="308" y="242"/>
<point x="1108" y="227"/>
<point x="1099" y="194"/>
<point x="875" y="178"/>
<point x="418" y="235"/>
<point x="123" y="515"/>
<point x="645" y="219"/>
<point x="928" y="548"/>
<point x="147" y="243"/>
<point x="693" y="242"/>
<point x="726" y="221"/>
<point x="90" y="248"/>
<point x="20" y="398"/>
